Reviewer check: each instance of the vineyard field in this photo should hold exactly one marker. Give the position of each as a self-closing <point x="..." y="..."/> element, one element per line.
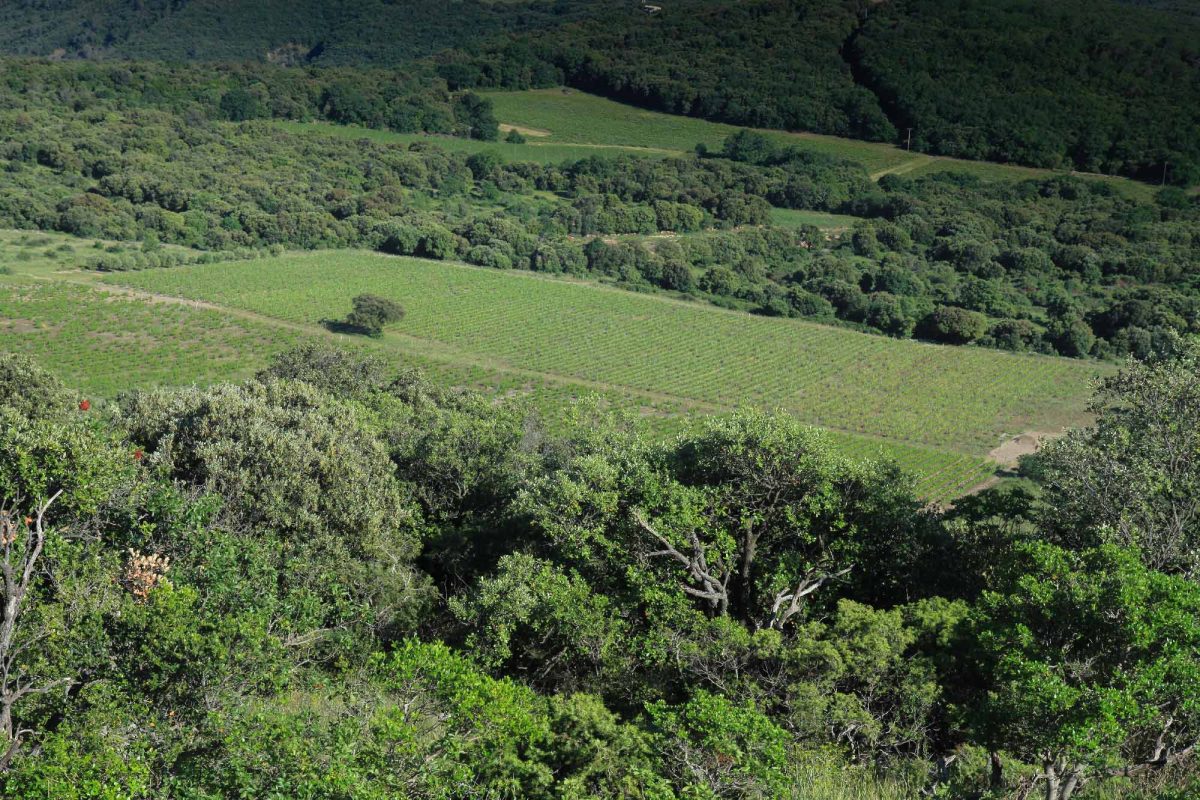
<point x="922" y="394"/>
<point x="935" y="403"/>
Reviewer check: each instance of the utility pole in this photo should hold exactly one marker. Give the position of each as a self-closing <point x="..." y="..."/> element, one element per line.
<point x="908" y="145"/>
<point x="1164" y="177"/>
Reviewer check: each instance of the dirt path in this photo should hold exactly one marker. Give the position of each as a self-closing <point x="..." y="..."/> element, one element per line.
<point x="636" y="148"/>
<point x="1008" y="455"/>
<point x="536" y="132"/>
<point x="906" y="166"/>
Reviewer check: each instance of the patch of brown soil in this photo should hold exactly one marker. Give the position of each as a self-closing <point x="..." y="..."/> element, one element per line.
<point x="505" y="128"/>
<point x="18" y="325"/>
<point x="1008" y="453"/>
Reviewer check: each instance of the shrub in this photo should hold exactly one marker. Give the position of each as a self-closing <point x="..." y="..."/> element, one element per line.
<point x="954" y="325"/>
<point x="372" y="312"/>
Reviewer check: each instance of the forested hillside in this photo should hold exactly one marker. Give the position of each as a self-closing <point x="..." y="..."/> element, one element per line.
<point x="320" y="32"/>
<point x="1094" y="86"/>
<point x="1097" y="86"/>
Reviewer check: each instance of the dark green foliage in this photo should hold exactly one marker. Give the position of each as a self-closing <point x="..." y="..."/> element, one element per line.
<point x="766" y="63"/>
<point x="1098" y="87"/>
<point x="397" y="100"/>
<point x="372" y="313"/>
<point x="955" y="325"/>
<point x="239" y="105"/>
<point x="474" y="117"/>
<point x="1093" y="86"/>
<point x="293" y="32"/>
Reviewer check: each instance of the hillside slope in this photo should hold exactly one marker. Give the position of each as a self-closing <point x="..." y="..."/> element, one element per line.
<point x="324" y="32"/>
<point x="1096" y="86"/>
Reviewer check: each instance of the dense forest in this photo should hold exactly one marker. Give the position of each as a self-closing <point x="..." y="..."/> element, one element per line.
<point x="1093" y="86"/>
<point x="380" y="33"/>
<point x="774" y="64"/>
<point x="132" y="151"/>
<point x="334" y="581"/>
<point x="1104" y="87"/>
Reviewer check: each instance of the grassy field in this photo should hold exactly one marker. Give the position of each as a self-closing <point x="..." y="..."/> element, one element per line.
<point x="103" y="344"/>
<point x="794" y="218"/>
<point x="566" y="115"/>
<point x="569" y="116"/>
<point x="937" y="409"/>
<point x="540" y="152"/>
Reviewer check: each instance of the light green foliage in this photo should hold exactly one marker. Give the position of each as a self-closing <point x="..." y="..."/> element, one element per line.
<point x="32" y="392"/>
<point x="332" y="370"/>
<point x="560" y="625"/>
<point x="77" y="457"/>
<point x="1091" y="662"/>
<point x="1134" y="477"/>
<point x="83" y="759"/>
<point x="716" y="748"/>
<point x="286" y="457"/>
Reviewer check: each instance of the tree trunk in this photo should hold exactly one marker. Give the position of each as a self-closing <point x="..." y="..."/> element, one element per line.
<point x="1053" y="783"/>
<point x="996" y="779"/>
<point x="1061" y="783"/>
<point x="745" y="573"/>
<point x="1070" y="784"/>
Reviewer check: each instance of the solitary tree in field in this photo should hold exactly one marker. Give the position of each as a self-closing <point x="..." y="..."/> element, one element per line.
<point x="371" y="313"/>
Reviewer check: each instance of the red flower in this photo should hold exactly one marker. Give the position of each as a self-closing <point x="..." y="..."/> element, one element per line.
<point x="137" y="454"/>
<point x="84" y="405"/>
<point x="29" y="522"/>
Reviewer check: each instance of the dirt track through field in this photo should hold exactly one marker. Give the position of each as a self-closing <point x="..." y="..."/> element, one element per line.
<point x="406" y="344"/>
<point x="409" y="345"/>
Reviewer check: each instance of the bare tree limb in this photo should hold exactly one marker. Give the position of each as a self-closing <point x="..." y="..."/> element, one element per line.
<point x="807" y="585"/>
<point x="17" y="568"/>
<point x="713" y="585"/>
